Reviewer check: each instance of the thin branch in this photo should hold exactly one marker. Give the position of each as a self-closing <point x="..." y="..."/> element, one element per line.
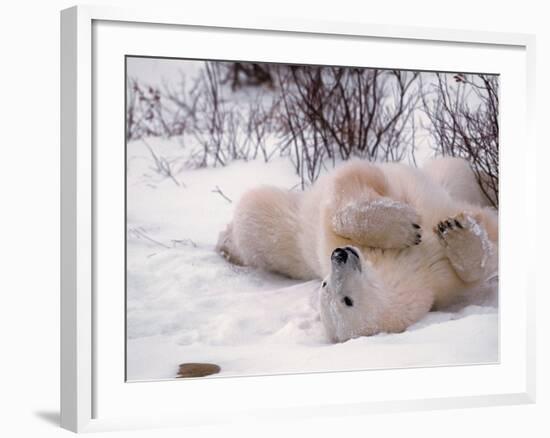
<point x="222" y="194"/>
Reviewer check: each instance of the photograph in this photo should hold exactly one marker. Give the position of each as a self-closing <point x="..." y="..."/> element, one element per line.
<point x="293" y="218"/>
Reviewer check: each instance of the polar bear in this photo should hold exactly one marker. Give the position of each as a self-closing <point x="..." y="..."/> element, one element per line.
<point x="389" y="241"/>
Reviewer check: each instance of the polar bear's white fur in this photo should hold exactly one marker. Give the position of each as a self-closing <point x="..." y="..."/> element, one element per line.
<point x="389" y="241"/>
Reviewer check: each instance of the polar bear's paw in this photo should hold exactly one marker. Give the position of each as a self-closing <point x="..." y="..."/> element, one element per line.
<point x="382" y="223"/>
<point x="227" y="248"/>
<point x="466" y="244"/>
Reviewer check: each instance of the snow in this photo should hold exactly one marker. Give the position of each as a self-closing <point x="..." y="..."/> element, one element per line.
<point x="186" y="303"/>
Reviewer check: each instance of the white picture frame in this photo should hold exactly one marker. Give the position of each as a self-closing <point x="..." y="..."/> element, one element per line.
<point x="89" y="399"/>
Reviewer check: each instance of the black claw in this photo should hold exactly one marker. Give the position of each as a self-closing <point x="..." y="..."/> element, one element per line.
<point x="441" y="227"/>
<point x="449" y="224"/>
<point x="458" y="224"/>
<point x="418" y="236"/>
<point x="416" y="226"/>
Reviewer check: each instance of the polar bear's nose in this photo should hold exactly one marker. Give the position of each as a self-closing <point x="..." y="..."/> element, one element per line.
<point x="339" y="256"/>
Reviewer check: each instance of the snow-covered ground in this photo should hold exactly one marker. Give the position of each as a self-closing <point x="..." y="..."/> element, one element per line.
<point x="185" y="303"/>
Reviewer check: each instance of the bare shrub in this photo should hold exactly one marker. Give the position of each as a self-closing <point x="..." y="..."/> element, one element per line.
<point x="316" y="116"/>
<point x="145" y="114"/>
<point x="335" y="113"/>
<point x="220" y="128"/>
<point x="463" y="110"/>
<point x="247" y="74"/>
<point x="210" y="128"/>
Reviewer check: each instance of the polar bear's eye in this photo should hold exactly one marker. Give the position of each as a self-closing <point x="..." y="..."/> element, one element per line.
<point x="324" y="284"/>
<point x="348" y="301"/>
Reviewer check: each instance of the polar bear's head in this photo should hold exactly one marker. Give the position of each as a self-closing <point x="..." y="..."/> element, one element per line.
<point x="357" y="300"/>
<point x="347" y="307"/>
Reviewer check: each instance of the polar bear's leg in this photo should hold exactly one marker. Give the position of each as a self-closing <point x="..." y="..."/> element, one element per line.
<point x="266" y="232"/>
<point x="457" y="177"/>
<point x="226" y="246"/>
<point x="379" y="223"/>
<point x="359" y="210"/>
<point x="470" y="244"/>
